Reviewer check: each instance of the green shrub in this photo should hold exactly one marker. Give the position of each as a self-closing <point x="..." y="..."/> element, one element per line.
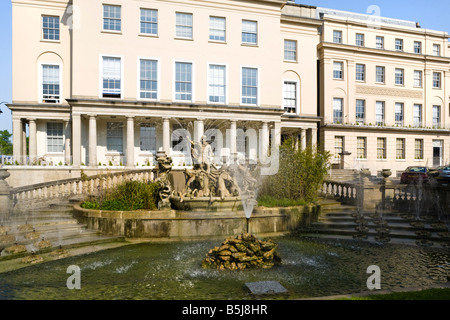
<point x="129" y="196"/>
<point x="300" y="176"/>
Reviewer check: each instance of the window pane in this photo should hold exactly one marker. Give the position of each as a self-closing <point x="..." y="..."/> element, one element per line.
<point x="148" y="138"/>
<point x="184" y="25"/>
<point x="217" y="85"/>
<point x="379" y="113"/>
<point x="360" y="111"/>
<point x="183" y="81"/>
<point x="111" y="18"/>
<point x="50" y="84"/>
<point x="55" y="137"/>
<point x="290" y="50"/>
<point x="112" y="77"/>
<point x="50" y="28"/>
<point x="149" y="21"/>
<point x="217" y="28"/>
<point x="249" y="86"/>
<point x="381" y="148"/>
<point x="249" y="32"/>
<point x="114" y="137"/>
<point x="148" y="79"/>
<point x="290" y="97"/>
<point x="337" y="110"/>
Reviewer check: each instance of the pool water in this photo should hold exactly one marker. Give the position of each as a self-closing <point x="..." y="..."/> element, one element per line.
<point x="172" y="271"/>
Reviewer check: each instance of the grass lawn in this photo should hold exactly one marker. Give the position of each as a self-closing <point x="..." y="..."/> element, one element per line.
<point x="429" y="294"/>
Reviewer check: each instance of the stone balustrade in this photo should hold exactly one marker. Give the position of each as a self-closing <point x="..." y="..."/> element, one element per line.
<point x="345" y="192"/>
<point x="33" y="195"/>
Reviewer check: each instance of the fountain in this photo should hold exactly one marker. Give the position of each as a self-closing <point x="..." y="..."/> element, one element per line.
<point x="207" y="187"/>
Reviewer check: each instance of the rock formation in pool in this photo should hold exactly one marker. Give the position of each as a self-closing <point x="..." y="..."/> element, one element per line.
<point x="243" y="252"/>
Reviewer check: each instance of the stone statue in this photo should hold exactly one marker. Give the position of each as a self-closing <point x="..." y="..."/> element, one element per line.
<point x="162" y="170"/>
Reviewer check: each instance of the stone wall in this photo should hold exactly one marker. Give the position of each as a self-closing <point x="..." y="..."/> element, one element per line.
<point x="185" y="225"/>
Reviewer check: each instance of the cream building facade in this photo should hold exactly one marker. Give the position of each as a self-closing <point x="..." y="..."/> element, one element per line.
<point x="385" y="87"/>
<point x="100" y="83"/>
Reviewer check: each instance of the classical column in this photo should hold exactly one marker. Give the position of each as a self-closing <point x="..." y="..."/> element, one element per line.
<point x="23" y="160"/>
<point x="76" y="140"/>
<point x="92" y="141"/>
<point x="130" y="142"/>
<point x="199" y="129"/>
<point x="264" y="142"/>
<point x="166" y="135"/>
<point x="314" y="138"/>
<point x="276" y="135"/>
<point x="303" y="137"/>
<point x="67" y="129"/>
<point x="233" y="138"/>
<point x="32" y="140"/>
<point x="17" y="139"/>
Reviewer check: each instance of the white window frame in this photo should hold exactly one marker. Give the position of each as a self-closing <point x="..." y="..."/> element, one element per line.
<point x="295" y="52"/>
<point x="400" y="76"/>
<point x="335" y="63"/>
<point x="359" y="148"/>
<point x="339" y="120"/>
<point x="41" y="81"/>
<point x="42" y="28"/>
<point x="359" y="120"/>
<point x="256" y="32"/>
<point x="121" y="75"/>
<point x="341" y="38"/>
<point x="158" y="79"/>
<point x="437" y="80"/>
<point x="360" y="40"/>
<point x="103" y="18"/>
<point x="433" y="118"/>
<point x="174" y="93"/>
<point x="140" y="22"/>
<point x="420" y="79"/>
<point x="379" y="40"/>
<point x="436" y="53"/>
<point x="359" y="73"/>
<point x="399" y="114"/>
<point x="184" y="26"/>
<point x="258" y="88"/>
<point x="384" y="74"/>
<point x="297" y="94"/>
<point x="383" y="114"/>
<point x="419" y="43"/>
<point x="148" y="125"/>
<point x="420" y="122"/>
<point x="113" y="152"/>
<point x="400" y="44"/>
<point x="63" y="139"/>
<point x="209" y="64"/>
<point x="215" y="29"/>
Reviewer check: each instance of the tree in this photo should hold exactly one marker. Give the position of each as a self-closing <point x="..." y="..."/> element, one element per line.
<point x="6" y="147"/>
<point x="300" y="176"/>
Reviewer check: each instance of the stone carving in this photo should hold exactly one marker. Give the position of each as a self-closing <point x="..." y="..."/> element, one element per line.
<point x="162" y="171"/>
<point x="205" y="179"/>
<point x="389" y="92"/>
<point x="243" y="252"/>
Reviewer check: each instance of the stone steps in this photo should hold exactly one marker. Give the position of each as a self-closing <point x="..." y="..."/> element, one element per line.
<point x="341" y="222"/>
<point x="54" y="223"/>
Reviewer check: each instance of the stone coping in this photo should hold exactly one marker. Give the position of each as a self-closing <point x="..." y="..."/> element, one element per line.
<point x="174" y="224"/>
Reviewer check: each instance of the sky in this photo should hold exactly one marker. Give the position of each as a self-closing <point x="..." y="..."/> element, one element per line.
<point x="432" y="14"/>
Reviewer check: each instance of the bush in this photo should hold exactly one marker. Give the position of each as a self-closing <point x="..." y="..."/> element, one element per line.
<point x="129" y="196"/>
<point x="300" y="176"/>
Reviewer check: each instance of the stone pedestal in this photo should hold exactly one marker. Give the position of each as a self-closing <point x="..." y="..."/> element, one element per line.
<point x="5" y="195"/>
